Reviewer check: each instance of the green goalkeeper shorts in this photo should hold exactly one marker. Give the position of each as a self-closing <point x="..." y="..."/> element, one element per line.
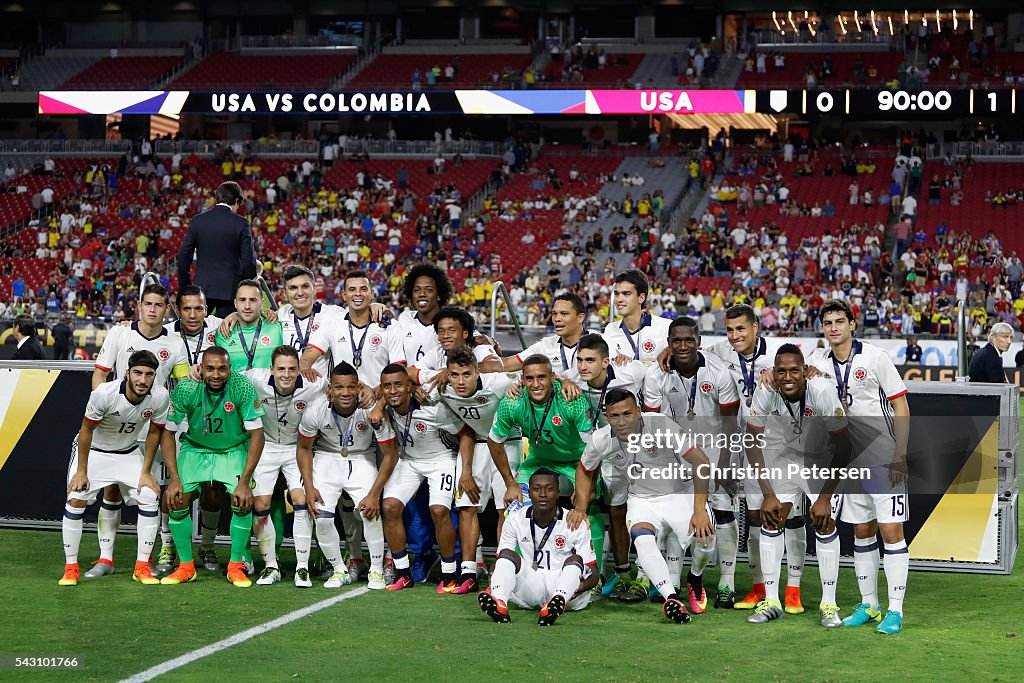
<point x="568" y="472"/>
<point x="197" y="466"/>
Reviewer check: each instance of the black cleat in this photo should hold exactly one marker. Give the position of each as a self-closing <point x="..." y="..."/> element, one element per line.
<point x="726" y="598"/>
<point x="550" y="612"/>
<point x="492" y="607"/>
<point x="675" y="610"/>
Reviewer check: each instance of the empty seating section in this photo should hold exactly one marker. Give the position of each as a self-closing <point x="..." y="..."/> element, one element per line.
<point x="617" y="72"/>
<point x="468" y="178"/>
<point x="843" y="69"/>
<point x="531" y="185"/>
<point x="470" y="70"/>
<point x="975" y="215"/>
<point x="50" y="71"/>
<point x="230" y="70"/>
<point x="126" y="73"/>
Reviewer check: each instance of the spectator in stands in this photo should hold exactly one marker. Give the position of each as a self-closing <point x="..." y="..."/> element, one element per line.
<point x="221" y="242"/>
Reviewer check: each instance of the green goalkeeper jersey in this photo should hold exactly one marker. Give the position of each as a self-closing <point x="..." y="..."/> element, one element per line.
<point x="216" y="421"/>
<point x="554" y="428"/>
<point x="251" y="346"/>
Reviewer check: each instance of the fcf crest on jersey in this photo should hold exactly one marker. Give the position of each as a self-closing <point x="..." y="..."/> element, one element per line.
<point x="376" y="340"/>
<point x="648" y="346"/>
<point x="859" y="374"/>
<point x="481" y="400"/>
<point x="146" y="414"/>
<point x="808" y="412"/>
<point x="164" y="354"/>
<point x="361" y="427"/>
<point x="706" y="387"/>
<point x="314" y="327"/>
<point x="229" y="407"/>
<point x="300" y="405"/>
<point x="265" y="340"/>
<point x="560" y="542"/>
<point x="211" y="337"/>
<point x="557" y="420"/>
<point x="421" y="428"/>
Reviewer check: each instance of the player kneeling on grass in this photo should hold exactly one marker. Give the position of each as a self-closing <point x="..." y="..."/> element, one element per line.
<point x="107" y="453"/>
<point x="336" y="452"/>
<point x="656" y="504"/>
<point x="796" y="426"/>
<point x="561" y="561"/>
<point x="223" y="444"/>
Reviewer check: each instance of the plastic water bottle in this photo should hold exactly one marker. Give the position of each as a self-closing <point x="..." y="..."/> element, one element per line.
<point x="524" y="493"/>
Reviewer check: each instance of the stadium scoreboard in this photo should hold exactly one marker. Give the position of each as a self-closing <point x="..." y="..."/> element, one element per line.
<point x="854" y="103"/>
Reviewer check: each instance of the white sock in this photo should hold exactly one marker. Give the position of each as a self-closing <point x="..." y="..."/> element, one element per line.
<point x="568" y="581"/>
<point x="354" y="530"/>
<point x="673" y="560"/>
<point x="71" y="530"/>
<point x="302" y="535"/>
<point x="479" y="550"/>
<point x="146" y="529"/>
<point x="826" y="548"/>
<point x="773" y="544"/>
<point x="468" y="568"/>
<point x="402" y="561"/>
<point x="897" y="567"/>
<point x="503" y="579"/>
<point x="266" y="536"/>
<point x="727" y="540"/>
<point x="107" y="521"/>
<point x="329" y="541"/>
<point x="654" y="565"/>
<point x="373" y="531"/>
<point x="796" y="555"/>
<point x="209" y="520"/>
<point x="865" y="563"/>
<point x="449" y="566"/>
<point x="754" y="553"/>
<point x="166" y="538"/>
<point x="701" y="554"/>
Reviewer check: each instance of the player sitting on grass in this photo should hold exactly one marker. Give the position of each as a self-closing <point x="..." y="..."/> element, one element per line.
<point x="223" y="443"/>
<point x="562" y="565"/>
<point x="107" y="453"/>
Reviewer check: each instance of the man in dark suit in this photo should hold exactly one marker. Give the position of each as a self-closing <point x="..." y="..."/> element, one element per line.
<point x="29" y="347"/>
<point x="987" y="364"/>
<point x="62" y="336"/>
<point x="221" y="241"/>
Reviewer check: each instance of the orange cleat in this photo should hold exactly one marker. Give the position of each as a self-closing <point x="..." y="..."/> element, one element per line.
<point x="237" y="575"/>
<point x="793" y="604"/>
<point x="755" y="596"/>
<point x="185" y="573"/>
<point x="144" y="574"/>
<point x="71" y="575"/>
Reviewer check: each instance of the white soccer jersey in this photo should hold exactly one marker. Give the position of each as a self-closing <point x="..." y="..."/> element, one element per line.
<point x="760" y="362"/>
<point x="519" y="530"/>
<point x="437" y="359"/>
<point x="562" y="356"/>
<point x="119" y="422"/>
<point x="799" y="430"/>
<point x="196" y="343"/>
<point x="629" y="377"/>
<point x="369" y="348"/>
<point x="422" y="431"/>
<point x="320" y="421"/>
<point x="644" y="344"/>
<point x="298" y="332"/>
<point x="606" y="447"/>
<point x="417" y="338"/>
<point x="872" y="382"/>
<point x="709" y="390"/>
<point x="477" y="411"/>
<point x="122" y="342"/>
<point x="282" y="414"/>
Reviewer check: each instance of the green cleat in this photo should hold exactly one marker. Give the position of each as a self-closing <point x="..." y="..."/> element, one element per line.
<point x="637" y="591"/>
<point x="726" y="598"/>
<point x="862" y="614"/>
<point x="892" y="623"/>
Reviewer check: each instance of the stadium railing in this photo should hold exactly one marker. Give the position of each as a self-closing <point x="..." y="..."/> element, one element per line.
<point x="291" y="148"/>
<point x="64" y="147"/>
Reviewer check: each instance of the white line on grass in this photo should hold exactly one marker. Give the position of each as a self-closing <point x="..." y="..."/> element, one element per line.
<point x="189" y="657"/>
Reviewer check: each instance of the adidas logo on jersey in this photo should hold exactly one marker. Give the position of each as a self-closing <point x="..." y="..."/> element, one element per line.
<point x="116" y="413"/>
<point x="408" y="334"/>
<point x="673" y="390"/>
<point x="131" y="349"/>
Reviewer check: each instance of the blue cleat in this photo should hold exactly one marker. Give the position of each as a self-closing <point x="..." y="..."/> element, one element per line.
<point x="862" y="614"/>
<point x="609" y="585"/>
<point x="421" y="566"/>
<point x="892" y="623"/>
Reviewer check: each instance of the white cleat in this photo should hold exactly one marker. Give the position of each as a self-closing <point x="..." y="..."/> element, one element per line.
<point x="99" y="568"/>
<point x="269" y="577"/>
<point x="829" y="614"/>
<point x="302" y="578"/>
<point x="375" y="581"/>
<point x="341" y="578"/>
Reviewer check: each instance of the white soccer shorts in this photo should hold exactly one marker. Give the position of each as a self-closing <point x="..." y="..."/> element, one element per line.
<point x="534" y="588"/>
<point x="486" y="475"/>
<point x="276" y="458"/>
<point x="410" y="473"/>
<point x="614" y="484"/>
<point x="884" y="508"/>
<point x="106" y="469"/>
<point x="333" y="474"/>
<point x="670" y="513"/>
